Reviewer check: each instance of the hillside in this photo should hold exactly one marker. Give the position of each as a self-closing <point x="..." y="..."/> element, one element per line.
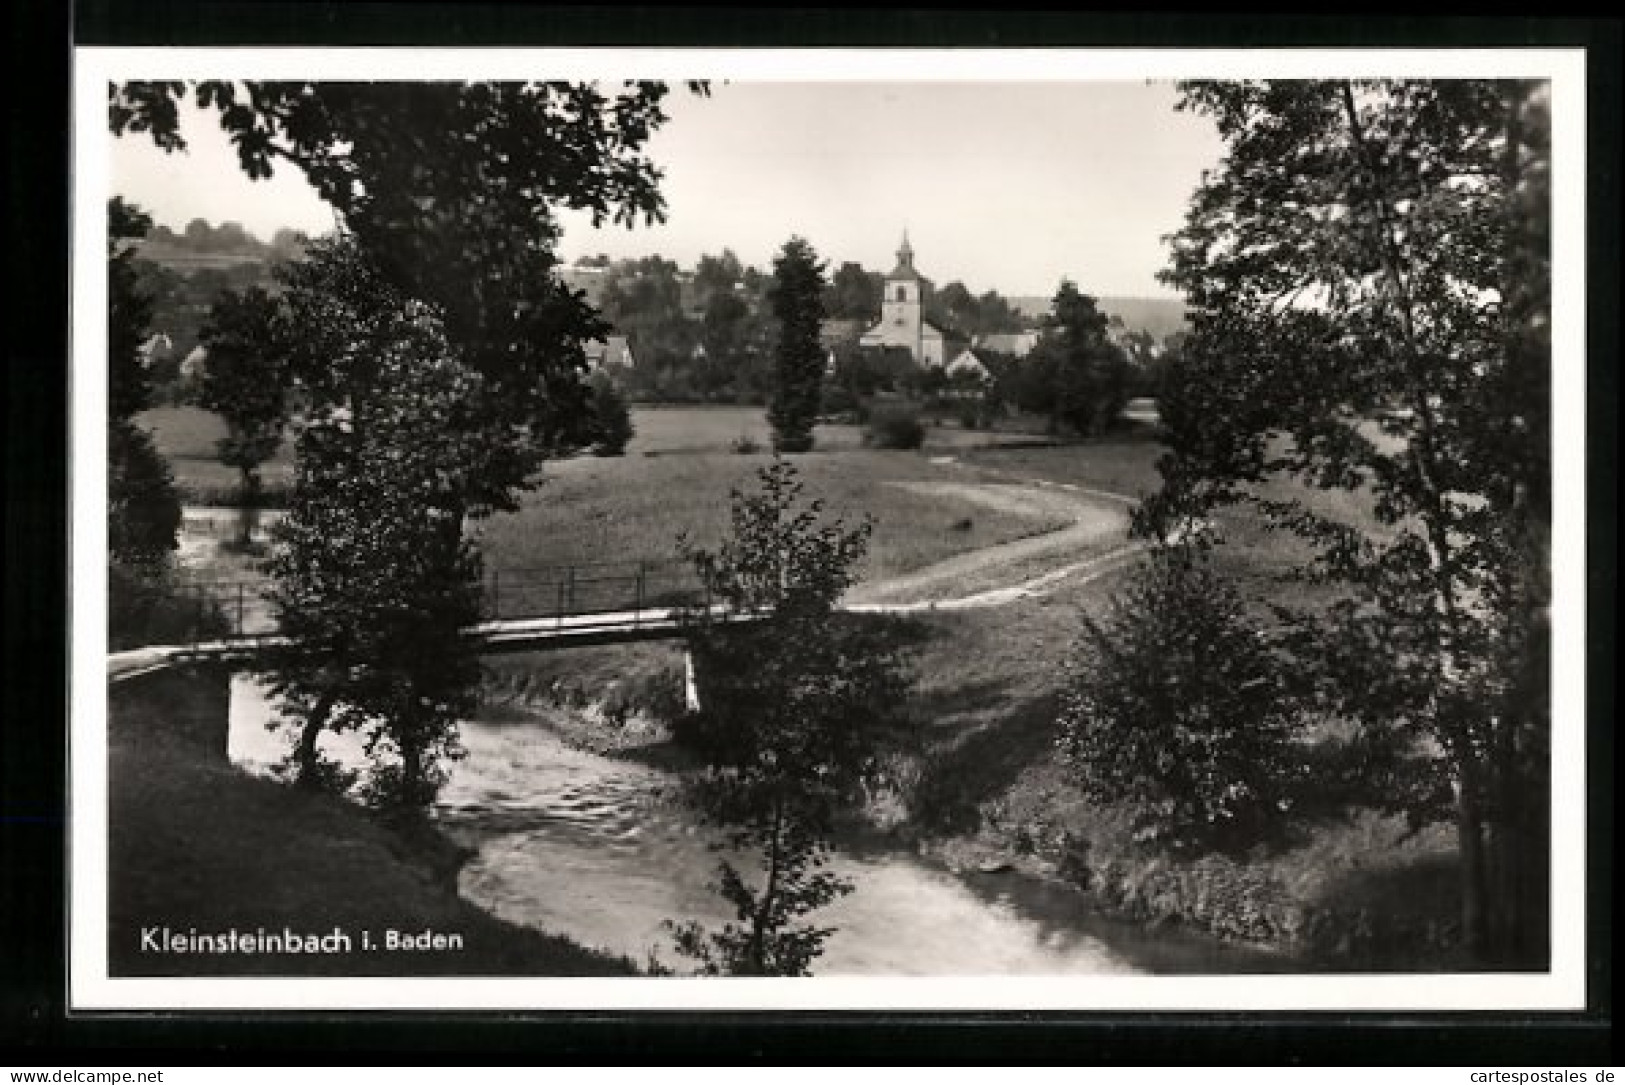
<point x="1161" y="317"/>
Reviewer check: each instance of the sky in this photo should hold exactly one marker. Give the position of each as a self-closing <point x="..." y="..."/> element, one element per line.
<point x="1006" y="186"/>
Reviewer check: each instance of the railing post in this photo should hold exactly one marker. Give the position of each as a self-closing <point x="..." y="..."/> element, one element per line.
<point x="558" y="613"/>
<point x="637" y="613"/>
<point x="496" y="593"/>
<point x="239" y="608"/>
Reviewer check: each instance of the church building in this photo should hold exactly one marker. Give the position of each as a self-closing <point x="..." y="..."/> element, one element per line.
<point x="902" y="315"/>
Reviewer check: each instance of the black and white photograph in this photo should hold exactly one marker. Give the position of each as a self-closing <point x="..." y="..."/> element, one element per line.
<point x="798" y="529"/>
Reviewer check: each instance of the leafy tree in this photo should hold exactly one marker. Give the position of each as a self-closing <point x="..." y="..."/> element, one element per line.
<point x="143" y="509"/>
<point x="726" y="338"/>
<point x="643" y="300"/>
<point x="798" y="713"/>
<point x="1176" y="709"/>
<point x="1369" y="280"/>
<point x="374" y="580"/>
<point x="448" y="194"/>
<point x="245" y="382"/>
<point x="1079" y="373"/>
<point x="451" y="190"/>
<point x="853" y="293"/>
<point x="129" y="313"/>
<point x="611" y="420"/>
<point x="715" y="275"/>
<point x="797" y="299"/>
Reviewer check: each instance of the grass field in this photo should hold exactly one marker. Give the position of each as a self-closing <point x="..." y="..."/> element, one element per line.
<point x="633" y="508"/>
<point x="186" y="437"/>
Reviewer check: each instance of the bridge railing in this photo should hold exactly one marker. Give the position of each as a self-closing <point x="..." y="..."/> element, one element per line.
<point x="194" y="611"/>
<point x="186" y="610"/>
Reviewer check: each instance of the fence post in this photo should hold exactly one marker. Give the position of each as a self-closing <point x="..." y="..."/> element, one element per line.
<point x="239" y="608"/>
<point x="637" y="614"/>
<point x="496" y="593"/>
<point x="558" y="613"/>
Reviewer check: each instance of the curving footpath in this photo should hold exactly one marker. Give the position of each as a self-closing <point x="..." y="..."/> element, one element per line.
<point x="1092" y="544"/>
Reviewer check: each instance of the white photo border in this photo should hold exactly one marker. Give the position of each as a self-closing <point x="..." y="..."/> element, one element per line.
<point x="91" y="988"/>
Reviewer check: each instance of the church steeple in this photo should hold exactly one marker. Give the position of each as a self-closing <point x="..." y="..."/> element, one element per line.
<point x="905" y="262"/>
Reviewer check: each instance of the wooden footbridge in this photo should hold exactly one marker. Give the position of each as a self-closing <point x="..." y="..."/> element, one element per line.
<point x="528" y="610"/>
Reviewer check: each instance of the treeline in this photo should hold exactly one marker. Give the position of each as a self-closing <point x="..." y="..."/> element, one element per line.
<point x="182" y="275"/>
<point x="200" y="239"/>
<point x="706" y="335"/>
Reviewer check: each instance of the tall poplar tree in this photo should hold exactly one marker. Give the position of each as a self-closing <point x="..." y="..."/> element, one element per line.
<point x="797" y="298"/>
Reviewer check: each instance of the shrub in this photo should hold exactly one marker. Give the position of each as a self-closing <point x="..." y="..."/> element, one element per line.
<point x="158" y="607"/>
<point x="745" y="445"/>
<point x="611" y="420"/>
<point x="896" y="427"/>
<point x="1175" y="709"/>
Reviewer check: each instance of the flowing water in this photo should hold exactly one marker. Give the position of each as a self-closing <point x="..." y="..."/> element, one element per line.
<point x="598" y="849"/>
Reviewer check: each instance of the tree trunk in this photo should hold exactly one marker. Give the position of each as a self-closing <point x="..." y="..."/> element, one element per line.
<point x="248" y="494"/>
<point x="411" y="774"/>
<point x="307" y="756"/>
<point x="1470" y="831"/>
<point x="760" y="921"/>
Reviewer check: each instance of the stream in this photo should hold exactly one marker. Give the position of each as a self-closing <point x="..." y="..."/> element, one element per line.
<point x="596" y="848"/>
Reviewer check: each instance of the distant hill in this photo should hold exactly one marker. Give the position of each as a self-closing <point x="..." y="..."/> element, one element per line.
<point x="1160" y="316"/>
<point x="216" y="247"/>
<point x="185" y="272"/>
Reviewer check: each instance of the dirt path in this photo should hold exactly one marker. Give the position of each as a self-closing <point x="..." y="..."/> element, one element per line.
<point x="1094" y="542"/>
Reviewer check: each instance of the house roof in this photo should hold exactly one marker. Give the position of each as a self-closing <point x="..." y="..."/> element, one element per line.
<point x="613" y="351"/>
<point x="904" y="271"/>
<point x="834" y="332"/>
<point x="1016" y="343"/>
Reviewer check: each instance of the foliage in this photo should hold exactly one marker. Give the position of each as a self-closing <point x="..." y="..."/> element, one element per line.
<point x="1076" y="375"/>
<point x="451" y="190"/>
<point x="245" y="381"/>
<point x="955" y="309"/>
<point x="611" y="418"/>
<point x="1177" y="709"/>
<point x="438" y="354"/>
<point x="149" y="604"/>
<point x="798" y="711"/>
<point x="143" y="509"/>
<point x="1369" y="278"/>
<point x="854" y="293"/>
<point x="129" y="312"/>
<point x="797" y="300"/>
<point x="374" y="580"/>
<point x="895" y="426"/>
<point x="643" y="300"/>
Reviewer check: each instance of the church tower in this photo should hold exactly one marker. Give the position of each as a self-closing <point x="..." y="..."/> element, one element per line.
<point x="901" y="304"/>
<point x="902" y="308"/>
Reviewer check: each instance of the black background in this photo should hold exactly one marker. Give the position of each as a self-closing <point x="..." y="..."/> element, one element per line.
<point x="34" y="1021"/>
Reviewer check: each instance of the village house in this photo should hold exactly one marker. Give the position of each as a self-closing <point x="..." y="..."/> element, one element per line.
<point x="613" y="352"/>
<point x="1015" y="344"/>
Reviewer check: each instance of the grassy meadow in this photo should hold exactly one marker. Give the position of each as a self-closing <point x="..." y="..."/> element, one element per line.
<point x="186" y="437"/>
<point x="633" y="509"/>
<point x="676" y="477"/>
